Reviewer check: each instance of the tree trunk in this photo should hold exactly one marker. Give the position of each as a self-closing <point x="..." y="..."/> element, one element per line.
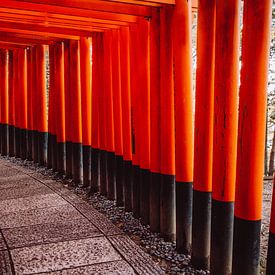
<point x="272" y="156"/>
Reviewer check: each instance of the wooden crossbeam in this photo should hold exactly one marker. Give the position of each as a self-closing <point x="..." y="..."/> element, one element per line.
<point x="65" y="11"/>
<point x="98" y="5"/>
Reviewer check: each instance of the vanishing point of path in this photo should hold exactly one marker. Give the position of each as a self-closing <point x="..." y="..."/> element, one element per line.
<point x="47" y="229"/>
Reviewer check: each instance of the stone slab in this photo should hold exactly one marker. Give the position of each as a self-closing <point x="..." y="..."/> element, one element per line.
<point x="63" y="255"/>
<point x="13" y="181"/>
<point x="135" y="256"/>
<point x="22" y="190"/>
<point x="98" y="219"/>
<point x="28" y="203"/>
<point x="5" y="263"/>
<point x="50" y="233"/>
<point x="110" y="268"/>
<point x="55" y="214"/>
<point x="8" y="172"/>
<point x="2" y="243"/>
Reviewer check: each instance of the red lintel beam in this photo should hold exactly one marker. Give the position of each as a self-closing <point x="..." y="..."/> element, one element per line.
<point x="98" y="5"/>
<point x="54" y="9"/>
<point x="21" y="27"/>
<point x="33" y="32"/>
<point x="23" y="41"/>
<point x="153" y="3"/>
<point x="36" y="15"/>
<point x="57" y="22"/>
<point x="11" y="46"/>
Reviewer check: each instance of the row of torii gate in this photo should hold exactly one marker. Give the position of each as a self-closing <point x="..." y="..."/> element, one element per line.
<point x="118" y="117"/>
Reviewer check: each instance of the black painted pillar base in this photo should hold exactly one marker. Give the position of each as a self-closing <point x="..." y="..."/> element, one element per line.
<point x="168" y="207"/>
<point x="50" y="152"/>
<point x="23" y="143"/>
<point x="184" y="198"/>
<point x="77" y="163"/>
<point x="42" y="148"/>
<point x="119" y="181"/>
<point x="4" y="139"/>
<point x="221" y="237"/>
<point x="103" y="173"/>
<point x="11" y="141"/>
<point x="128" y="185"/>
<point x="29" y="144"/>
<point x="17" y="132"/>
<point x="61" y="157"/>
<point x="35" y="146"/>
<point x="155" y="202"/>
<point x="54" y="153"/>
<point x="1" y="137"/>
<point x="111" y="176"/>
<point x="270" y="265"/>
<point x="201" y="228"/>
<point x="87" y="160"/>
<point x="246" y="247"/>
<point x="136" y="191"/>
<point x="69" y="160"/>
<point x="95" y="171"/>
<point x="144" y="196"/>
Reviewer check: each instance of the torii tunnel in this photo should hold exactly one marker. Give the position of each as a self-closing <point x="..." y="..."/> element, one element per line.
<point x="102" y="92"/>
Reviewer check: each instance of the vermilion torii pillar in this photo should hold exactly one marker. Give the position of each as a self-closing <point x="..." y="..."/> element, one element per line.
<point x="203" y="143"/>
<point x="102" y="114"/>
<point x="41" y="101"/>
<point x="143" y="97"/>
<point x="75" y="109"/>
<point x="135" y="120"/>
<point x="95" y="165"/>
<point x="35" y="107"/>
<point x="117" y="109"/>
<point x="155" y="154"/>
<point x="30" y="104"/>
<point x="167" y="127"/>
<point x="60" y="108"/>
<point x="251" y="137"/>
<point x="183" y="122"/>
<point x="51" y="108"/>
<point x="126" y="115"/>
<point x="68" y="110"/>
<point x="109" y="117"/>
<point x="86" y="106"/>
<point x="22" y="86"/>
<point x="4" y="93"/>
<point x="225" y="134"/>
<point x="11" y="105"/>
<point x="17" y="115"/>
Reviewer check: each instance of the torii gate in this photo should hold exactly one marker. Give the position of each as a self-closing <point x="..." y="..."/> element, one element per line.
<point x="123" y="123"/>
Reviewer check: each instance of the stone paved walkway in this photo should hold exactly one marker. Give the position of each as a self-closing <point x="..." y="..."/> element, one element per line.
<point x="47" y="229"/>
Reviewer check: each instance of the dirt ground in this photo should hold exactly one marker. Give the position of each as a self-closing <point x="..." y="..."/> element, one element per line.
<point x="267" y="196"/>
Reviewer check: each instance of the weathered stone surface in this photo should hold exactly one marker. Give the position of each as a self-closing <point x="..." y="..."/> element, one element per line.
<point x="33" y="202"/>
<point x="50" y="233"/>
<point x="134" y="255"/>
<point x="21" y="190"/>
<point x="110" y="268"/>
<point x="58" y="256"/>
<point x="99" y="220"/>
<point x="15" y="181"/>
<point x="39" y="216"/>
<point x="2" y="243"/>
<point x="5" y="263"/>
<point x="8" y="172"/>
